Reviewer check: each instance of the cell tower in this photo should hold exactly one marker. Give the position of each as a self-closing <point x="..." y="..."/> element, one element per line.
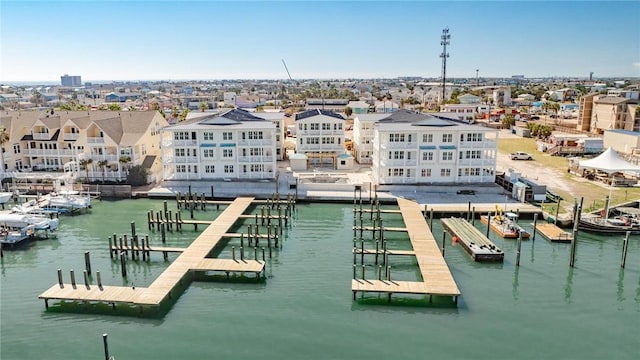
<point x="444" y="41"/>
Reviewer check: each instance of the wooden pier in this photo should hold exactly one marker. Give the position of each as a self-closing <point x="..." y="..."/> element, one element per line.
<point x="478" y="246"/>
<point x="553" y="232"/>
<point x="436" y="277"/>
<point x="192" y="258"/>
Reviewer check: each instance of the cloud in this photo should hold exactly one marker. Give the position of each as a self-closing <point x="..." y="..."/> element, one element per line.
<point x="636" y="64"/>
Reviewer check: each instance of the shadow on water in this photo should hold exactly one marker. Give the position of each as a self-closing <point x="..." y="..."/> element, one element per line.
<point x="442" y="305"/>
<point x="568" y="286"/>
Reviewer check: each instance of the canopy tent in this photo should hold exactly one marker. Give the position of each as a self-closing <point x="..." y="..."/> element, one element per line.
<point x="609" y="162"/>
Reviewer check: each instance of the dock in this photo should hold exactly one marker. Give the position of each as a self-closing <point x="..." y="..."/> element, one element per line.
<point x="478" y="246"/>
<point x="193" y="258"/>
<point x="436" y="278"/>
<point x="553" y="232"/>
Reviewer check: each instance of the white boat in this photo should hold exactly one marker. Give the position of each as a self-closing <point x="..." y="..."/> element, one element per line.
<point x="71" y="200"/>
<point x="24" y="220"/>
<point x="5" y="196"/>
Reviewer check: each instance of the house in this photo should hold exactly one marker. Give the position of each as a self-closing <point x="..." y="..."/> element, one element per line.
<point x="334" y="105"/>
<point x="385" y="106"/>
<point x="599" y="113"/>
<point x="463" y="111"/>
<point x="359" y="107"/>
<point x="234" y="144"/>
<point x="121" y="96"/>
<point x="468" y="99"/>
<point x="277" y="118"/>
<point x="363" y="125"/>
<point x="416" y="148"/>
<point x="320" y="136"/>
<point x="502" y="97"/>
<point x="49" y="141"/>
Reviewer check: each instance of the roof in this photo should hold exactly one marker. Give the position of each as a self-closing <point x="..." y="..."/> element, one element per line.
<point x="624" y="132"/>
<point x="609" y="162"/>
<point x="417" y="119"/>
<point x="327" y="101"/>
<point x="611" y="100"/>
<point x="316" y="112"/>
<point x="231" y="117"/>
<point x="148" y="161"/>
<point x="298" y="156"/>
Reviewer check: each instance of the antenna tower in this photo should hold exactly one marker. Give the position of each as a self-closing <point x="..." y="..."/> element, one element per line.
<point x="444" y="41"/>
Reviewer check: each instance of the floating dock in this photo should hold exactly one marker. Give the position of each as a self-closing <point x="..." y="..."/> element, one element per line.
<point x="553" y="232"/>
<point x="478" y="246"/>
<point x="192" y="258"/>
<point x="436" y="276"/>
<point x="506" y="229"/>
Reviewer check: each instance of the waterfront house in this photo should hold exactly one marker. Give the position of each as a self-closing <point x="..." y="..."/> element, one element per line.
<point x="363" y="126"/>
<point x="468" y="99"/>
<point x="418" y="148"/>
<point x="359" y="107"/>
<point x="53" y="141"/>
<point x="121" y="96"/>
<point x="234" y="144"/>
<point x="320" y="136"/>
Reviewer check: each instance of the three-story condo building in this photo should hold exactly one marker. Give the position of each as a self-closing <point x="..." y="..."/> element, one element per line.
<point x="418" y="148"/>
<point x="230" y="145"/>
<point x="320" y="136"/>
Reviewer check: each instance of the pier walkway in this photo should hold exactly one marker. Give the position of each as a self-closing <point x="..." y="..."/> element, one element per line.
<point x="192" y="258"/>
<point x="436" y="277"/>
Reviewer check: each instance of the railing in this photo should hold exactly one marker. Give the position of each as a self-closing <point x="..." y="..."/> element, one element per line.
<point x="471" y="161"/>
<point x="41" y="136"/>
<point x="70" y="136"/>
<point x="255" y="159"/>
<point x="49" y="152"/>
<point x="398" y="162"/>
<point x="100" y="157"/>
<point x="95" y="140"/>
<point x="177" y="143"/>
<point x="398" y="145"/>
<point x="250" y="142"/>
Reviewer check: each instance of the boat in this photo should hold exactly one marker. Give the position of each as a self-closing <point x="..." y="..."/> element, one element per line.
<point x="622" y="219"/>
<point x="5" y="197"/>
<point x="15" y="228"/>
<point x="506" y="225"/>
<point x="71" y="200"/>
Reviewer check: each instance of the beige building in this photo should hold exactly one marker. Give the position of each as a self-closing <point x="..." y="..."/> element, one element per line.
<point x="599" y="113"/>
<point x="61" y="141"/>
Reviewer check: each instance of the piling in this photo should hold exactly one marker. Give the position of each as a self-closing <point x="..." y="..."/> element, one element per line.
<point x="574" y="239"/>
<point x="73" y="278"/>
<point x="263" y="257"/>
<point x="163" y="233"/>
<point x="233" y="253"/>
<point x="519" y="246"/>
<point x="363" y="272"/>
<point x="110" y="248"/>
<point x="133" y="228"/>
<point x="535" y="225"/>
<point x="488" y="223"/>
<point x="99" y="278"/>
<point x="87" y="262"/>
<point x="625" y="245"/>
<point x="86" y="278"/>
<point x="123" y="265"/>
<point x="444" y="238"/>
<point x="431" y="219"/>
<point x="241" y="253"/>
<point x="106" y="347"/>
<point x="60" y="279"/>
<point x="473" y="216"/>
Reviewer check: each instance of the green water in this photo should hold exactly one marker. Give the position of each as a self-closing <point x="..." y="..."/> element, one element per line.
<point x="304" y="309"/>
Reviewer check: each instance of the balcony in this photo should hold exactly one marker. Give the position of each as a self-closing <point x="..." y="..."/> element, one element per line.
<point x="70" y="136"/>
<point x="95" y="140"/>
<point x="180" y="143"/>
<point x="185" y="159"/>
<point x="107" y="157"/>
<point x="399" y="145"/>
<point x="398" y="162"/>
<point x="41" y="136"/>
<point x="49" y="152"/>
<point x="255" y="159"/>
<point x="251" y="142"/>
<point x="475" y="162"/>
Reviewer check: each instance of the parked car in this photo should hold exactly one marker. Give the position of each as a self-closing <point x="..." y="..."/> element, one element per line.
<point x="535" y="117"/>
<point x="520" y="155"/>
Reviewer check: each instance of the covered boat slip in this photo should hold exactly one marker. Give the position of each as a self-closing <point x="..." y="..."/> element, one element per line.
<point x="193" y="258"/>
<point x="478" y="246"/>
<point x="436" y="276"/>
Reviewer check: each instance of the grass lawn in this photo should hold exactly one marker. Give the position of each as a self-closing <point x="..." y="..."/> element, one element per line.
<point x="594" y="194"/>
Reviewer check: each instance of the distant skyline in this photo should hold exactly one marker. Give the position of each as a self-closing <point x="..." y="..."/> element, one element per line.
<point x="202" y="40"/>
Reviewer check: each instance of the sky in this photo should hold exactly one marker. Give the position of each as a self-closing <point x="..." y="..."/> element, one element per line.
<point x="201" y="40"/>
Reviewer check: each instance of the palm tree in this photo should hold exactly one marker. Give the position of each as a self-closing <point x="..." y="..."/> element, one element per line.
<point x="85" y="163"/>
<point x="4" y="138"/>
<point x="203" y="106"/>
<point x="555" y="107"/>
<point x="125" y="161"/>
<point x="102" y="165"/>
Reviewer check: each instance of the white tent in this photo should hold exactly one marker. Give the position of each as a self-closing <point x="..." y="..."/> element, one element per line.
<point x="609" y="162"/>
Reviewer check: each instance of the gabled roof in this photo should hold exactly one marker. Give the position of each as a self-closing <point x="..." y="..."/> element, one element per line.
<point x="231" y="117"/>
<point x="317" y="112"/>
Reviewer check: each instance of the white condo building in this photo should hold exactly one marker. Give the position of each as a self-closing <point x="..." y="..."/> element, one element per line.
<point x="231" y="145"/>
<point x="277" y="118"/>
<point x="363" y="130"/>
<point x="418" y="148"/>
<point x="320" y="135"/>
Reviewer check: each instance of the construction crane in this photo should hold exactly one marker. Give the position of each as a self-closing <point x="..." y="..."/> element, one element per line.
<point x="285" y="67"/>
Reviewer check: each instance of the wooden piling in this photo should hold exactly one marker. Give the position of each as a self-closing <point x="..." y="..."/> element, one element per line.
<point x="133" y="228"/>
<point x="163" y="233"/>
<point x="625" y="245"/>
<point x="574" y="238"/>
<point x="87" y="262"/>
<point x="488" y="223"/>
<point x="123" y="265"/>
<point x="431" y="219"/>
<point x="99" y="279"/>
<point x="73" y="278"/>
<point x="233" y="253"/>
<point x="535" y="226"/>
<point x="110" y="248"/>
<point x="60" y="282"/>
<point x="86" y="279"/>
<point x="444" y="238"/>
<point x="519" y="247"/>
<point x="106" y="347"/>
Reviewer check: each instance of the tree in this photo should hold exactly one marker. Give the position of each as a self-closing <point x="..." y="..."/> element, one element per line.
<point x="508" y="121"/>
<point x="137" y="175"/>
<point x="203" y="106"/>
<point x="183" y="115"/>
<point x="348" y="111"/>
<point x="155" y="106"/>
<point x="85" y="164"/>
<point x="4" y="138"/>
<point x="114" y="107"/>
<point x="125" y="161"/>
<point x="102" y="165"/>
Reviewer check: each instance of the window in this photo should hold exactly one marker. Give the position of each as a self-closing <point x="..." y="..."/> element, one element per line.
<point x="396" y="137"/>
<point x="228" y="169"/>
<point x="143" y="149"/>
<point x="326" y="126"/>
<point x="209" y="153"/>
<point x="445" y="172"/>
<point x="396" y="155"/>
<point x="257" y="168"/>
<point x="447" y="155"/>
<point x="425" y="172"/>
<point x="208" y="136"/>
<point x="256" y="151"/>
<point x="255" y="135"/>
<point x="313" y="140"/>
<point x="16" y="148"/>
<point x="210" y="169"/>
<point x="427" y="138"/>
<point x="227" y="153"/>
<point x="227" y="135"/>
<point x="314" y="126"/>
<point x="181" y="168"/>
<point x="181" y="135"/>
<point x="178" y="152"/>
<point x="447" y="138"/>
<point x="396" y="172"/>
<point x="427" y="156"/>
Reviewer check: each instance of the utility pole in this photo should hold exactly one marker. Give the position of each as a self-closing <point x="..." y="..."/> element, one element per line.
<point x="477" y="78"/>
<point x="444" y="41"/>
